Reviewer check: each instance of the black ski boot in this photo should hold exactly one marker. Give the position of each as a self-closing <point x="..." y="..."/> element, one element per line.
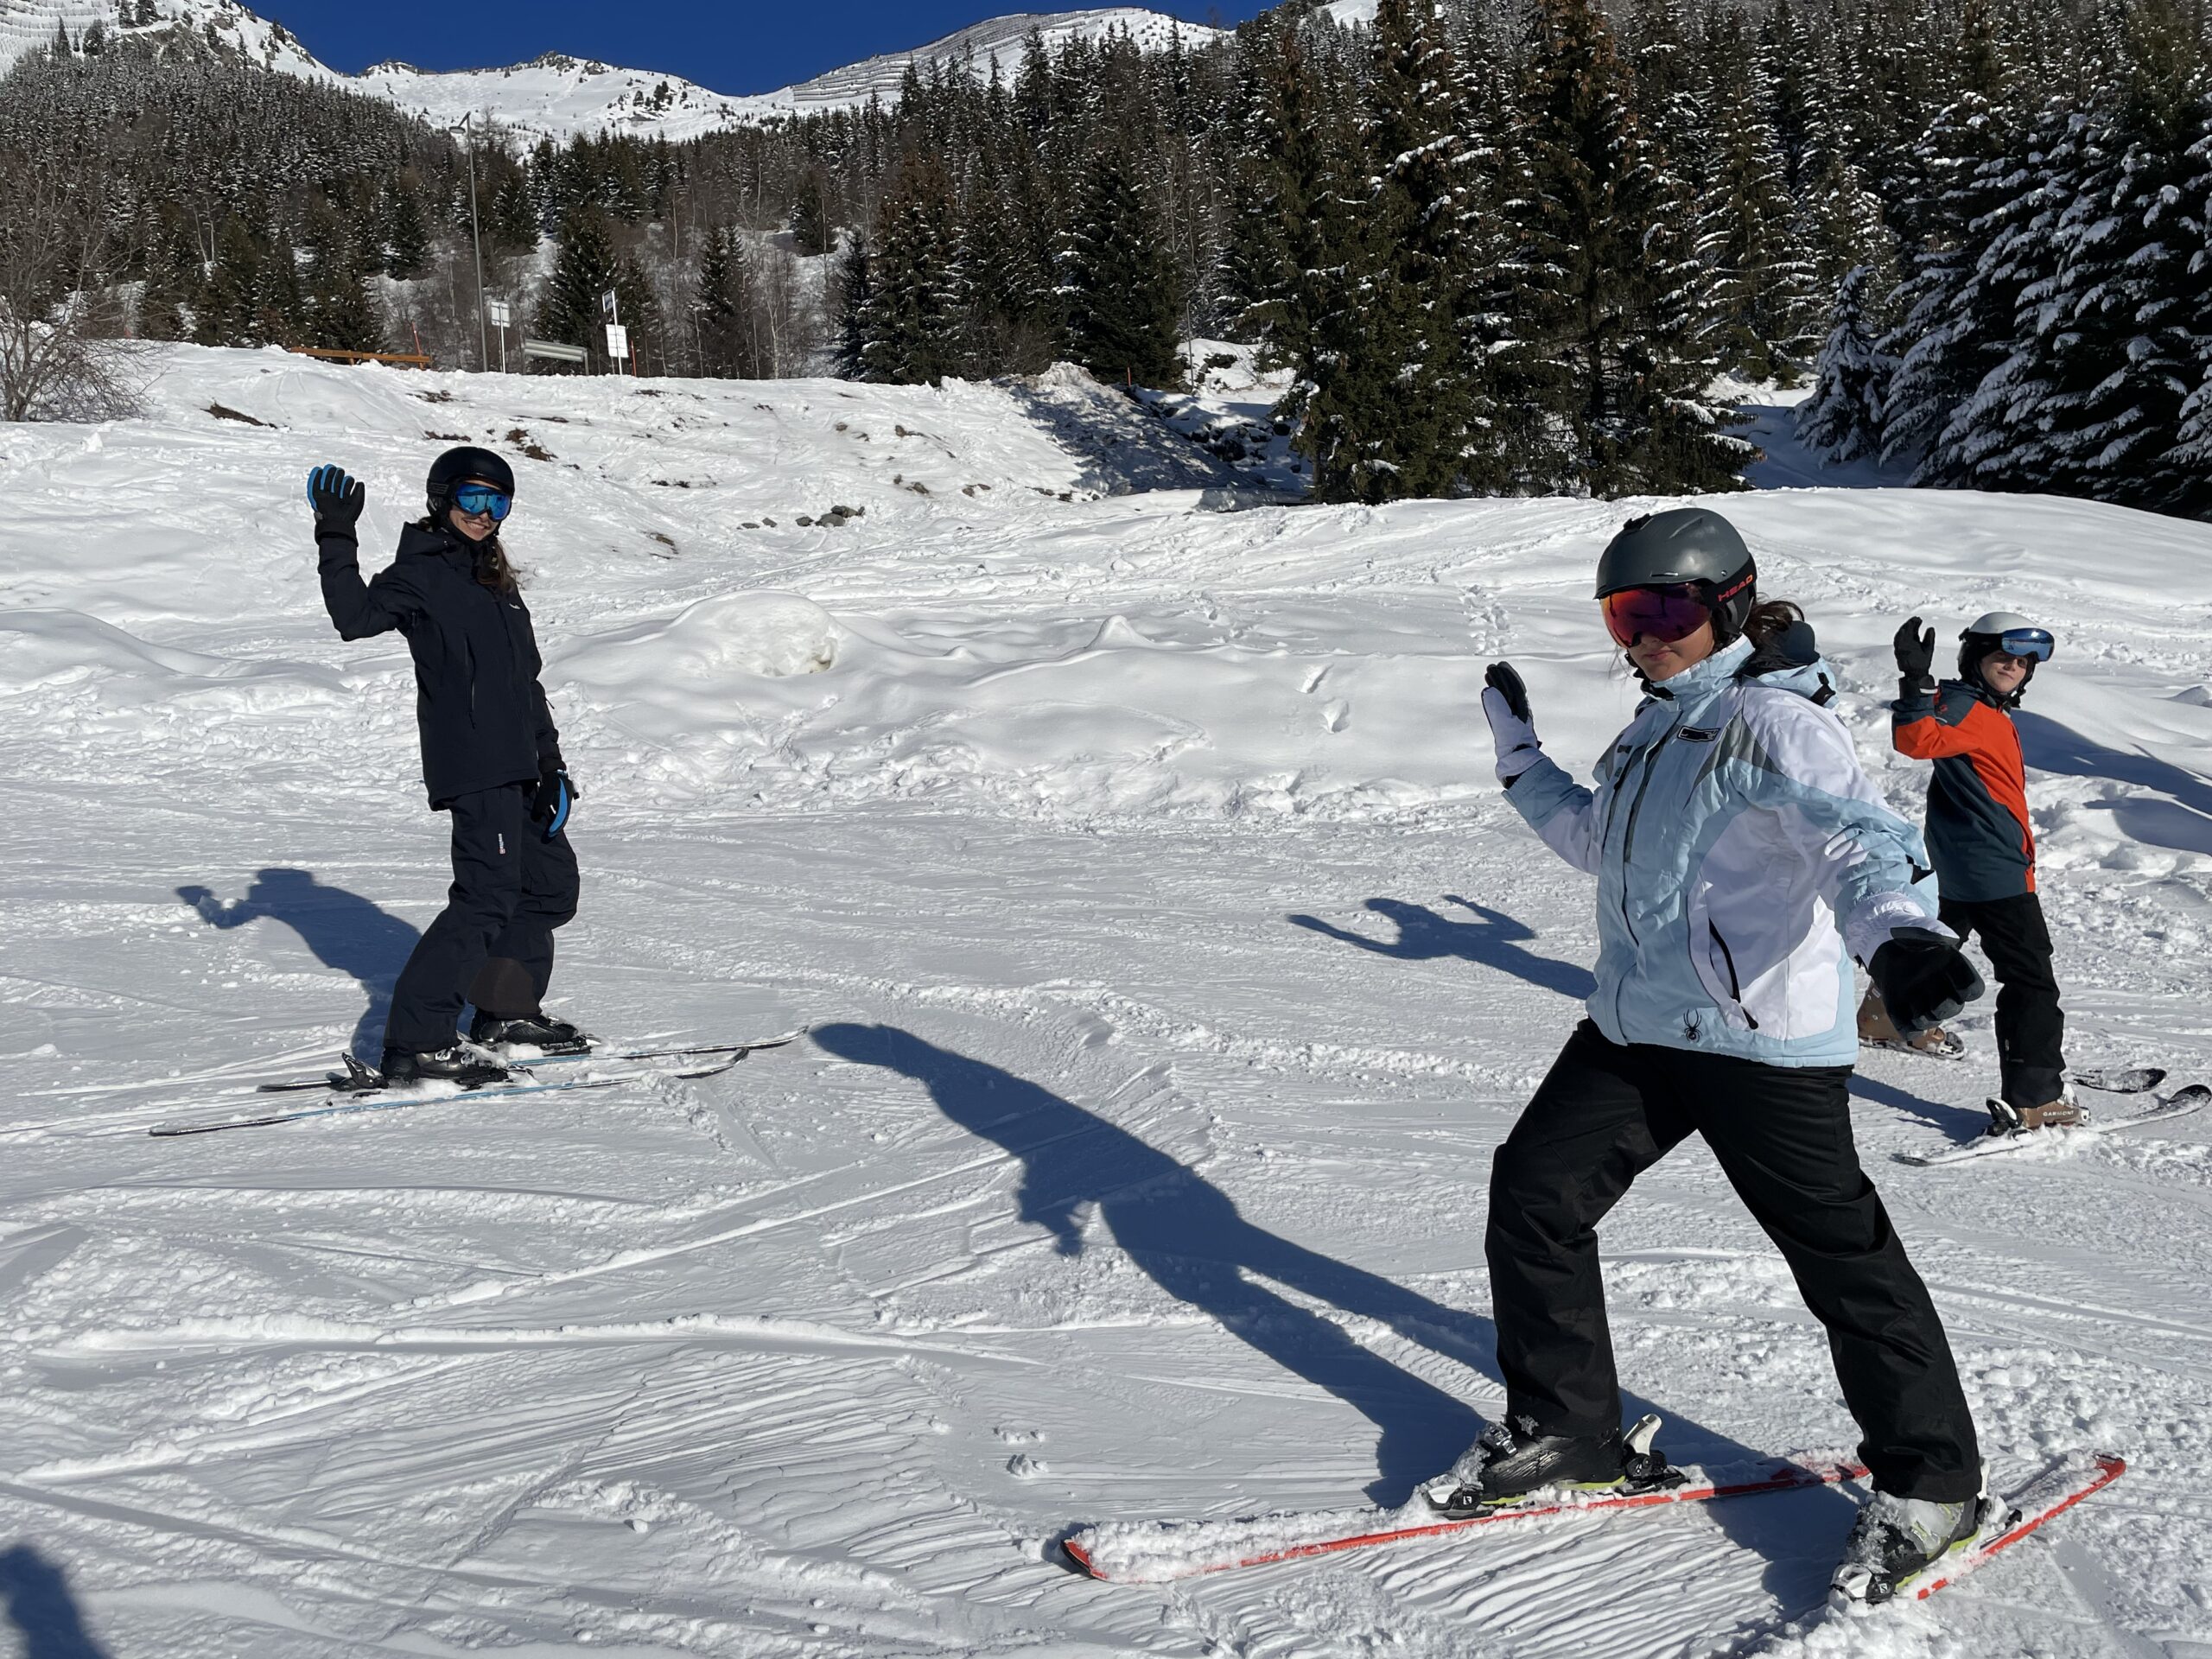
<point x="1895" y="1540"/>
<point x="536" y="1031"/>
<point x="1511" y="1461"/>
<point x="455" y="1064"/>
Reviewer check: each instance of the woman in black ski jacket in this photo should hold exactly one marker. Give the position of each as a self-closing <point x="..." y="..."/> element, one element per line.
<point x="491" y="757"/>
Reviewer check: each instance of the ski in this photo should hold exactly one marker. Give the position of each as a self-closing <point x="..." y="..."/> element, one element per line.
<point x="2193" y="1098"/>
<point x="2131" y="1080"/>
<point x="344" y="1101"/>
<point x="1155" y="1552"/>
<point x="702" y="1051"/>
<point x="310" y="1085"/>
<point x="2007" y="1520"/>
<point x="2003" y="1521"/>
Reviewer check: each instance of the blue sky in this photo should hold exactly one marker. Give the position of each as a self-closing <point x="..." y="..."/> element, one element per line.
<point x="740" y="45"/>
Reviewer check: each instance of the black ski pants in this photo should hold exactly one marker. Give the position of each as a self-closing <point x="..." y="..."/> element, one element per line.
<point x="493" y="940"/>
<point x="1606" y="1113"/>
<point x="2031" y="1028"/>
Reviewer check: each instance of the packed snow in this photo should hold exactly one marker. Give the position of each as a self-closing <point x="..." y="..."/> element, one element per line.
<point x="560" y="97"/>
<point x="1127" y="840"/>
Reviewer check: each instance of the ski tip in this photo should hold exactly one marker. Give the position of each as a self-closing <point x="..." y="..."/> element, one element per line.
<point x="1076" y="1548"/>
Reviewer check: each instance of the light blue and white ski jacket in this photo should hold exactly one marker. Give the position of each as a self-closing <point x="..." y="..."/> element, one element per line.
<point x="1740" y="853"/>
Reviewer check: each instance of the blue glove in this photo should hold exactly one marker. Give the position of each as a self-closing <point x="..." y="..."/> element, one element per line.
<point x="337" y="499"/>
<point x="549" y="805"/>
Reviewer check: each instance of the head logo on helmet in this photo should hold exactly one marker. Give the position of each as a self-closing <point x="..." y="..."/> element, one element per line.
<point x="1685" y="546"/>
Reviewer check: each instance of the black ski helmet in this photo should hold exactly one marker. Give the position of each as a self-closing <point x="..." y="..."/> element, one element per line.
<point x="1685" y="544"/>
<point x="1984" y="634"/>
<point x="467" y="464"/>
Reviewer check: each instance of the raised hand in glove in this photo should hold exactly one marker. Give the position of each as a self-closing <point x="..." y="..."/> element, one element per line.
<point x="337" y="499"/>
<point x="1505" y="705"/>
<point x="1915" y="654"/>
<point x="554" y="795"/>
<point x="1922" y="978"/>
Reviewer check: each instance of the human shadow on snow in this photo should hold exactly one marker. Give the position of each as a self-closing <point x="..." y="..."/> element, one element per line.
<point x="1956" y="1122"/>
<point x="1187" y="1235"/>
<point x="35" y="1593"/>
<point x="345" y="931"/>
<point x="2184" y="823"/>
<point x="1494" y="940"/>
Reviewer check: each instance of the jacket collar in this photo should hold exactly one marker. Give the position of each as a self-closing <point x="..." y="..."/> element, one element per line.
<point x="1701" y="680"/>
<point x="416" y="543"/>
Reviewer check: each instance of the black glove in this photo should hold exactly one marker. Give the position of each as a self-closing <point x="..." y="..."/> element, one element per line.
<point x="554" y="795"/>
<point x="337" y="499"/>
<point x="1923" y="979"/>
<point x="1507" y="680"/>
<point x="1915" y="654"/>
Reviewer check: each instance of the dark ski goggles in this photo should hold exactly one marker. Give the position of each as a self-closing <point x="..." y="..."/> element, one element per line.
<point x="2027" y="642"/>
<point x="1668" y="614"/>
<point x="482" y="498"/>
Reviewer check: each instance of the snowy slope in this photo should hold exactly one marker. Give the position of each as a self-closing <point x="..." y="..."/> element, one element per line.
<point x="1175" y="967"/>
<point x="561" y="96"/>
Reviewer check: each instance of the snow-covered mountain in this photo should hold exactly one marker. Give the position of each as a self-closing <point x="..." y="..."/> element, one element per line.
<point x="559" y="97"/>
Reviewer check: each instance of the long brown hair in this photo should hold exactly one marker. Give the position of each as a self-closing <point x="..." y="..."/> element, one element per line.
<point x="1770" y="620"/>
<point x="494" y="568"/>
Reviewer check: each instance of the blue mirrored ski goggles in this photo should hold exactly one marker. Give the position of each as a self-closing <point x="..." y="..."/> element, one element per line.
<point x="483" y="498"/>
<point x="2027" y="642"/>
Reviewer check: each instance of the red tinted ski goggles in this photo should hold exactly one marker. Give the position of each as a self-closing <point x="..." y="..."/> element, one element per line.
<point x="483" y="498"/>
<point x="1669" y="613"/>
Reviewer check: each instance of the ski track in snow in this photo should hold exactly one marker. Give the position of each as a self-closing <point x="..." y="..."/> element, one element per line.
<point x="1173" y="966"/>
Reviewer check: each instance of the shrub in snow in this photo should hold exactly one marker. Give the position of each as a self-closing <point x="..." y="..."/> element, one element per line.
<point x="1842" y="420"/>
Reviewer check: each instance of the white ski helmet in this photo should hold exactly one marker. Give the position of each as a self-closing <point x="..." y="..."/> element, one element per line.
<point x="2010" y="632"/>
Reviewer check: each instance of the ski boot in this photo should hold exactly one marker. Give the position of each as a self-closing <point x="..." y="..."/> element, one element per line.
<point x="2006" y="1118"/>
<point x="1511" y="1461"/>
<point x="537" y="1031"/>
<point x="1894" y="1540"/>
<point x="1878" y="1030"/>
<point x="457" y="1063"/>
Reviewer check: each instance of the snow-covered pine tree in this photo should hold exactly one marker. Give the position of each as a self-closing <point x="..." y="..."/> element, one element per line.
<point x="1118" y="279"/>
<point x="855" y="293"/>
<point x="1842" y="419"/>
<point x="1393" y="412"/>
<point x="2191" y="456"/>
<point x="569" y="305"/>
<point x="1957" y="162"/>
<point x="2122" y="359"/>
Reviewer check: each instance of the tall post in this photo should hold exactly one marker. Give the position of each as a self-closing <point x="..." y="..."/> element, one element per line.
<point x="483" y="344"/>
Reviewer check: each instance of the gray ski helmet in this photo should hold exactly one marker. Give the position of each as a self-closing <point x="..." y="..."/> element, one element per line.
<point x="1685" y="544"/>
<point x="465" y="465"/>
<point x="1984" y="634"/>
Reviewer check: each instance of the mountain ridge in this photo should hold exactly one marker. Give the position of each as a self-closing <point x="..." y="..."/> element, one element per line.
<point x="560" y="96"/>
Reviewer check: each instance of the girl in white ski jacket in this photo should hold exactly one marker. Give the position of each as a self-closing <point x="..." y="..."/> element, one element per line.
<point x="1742" y="859"/>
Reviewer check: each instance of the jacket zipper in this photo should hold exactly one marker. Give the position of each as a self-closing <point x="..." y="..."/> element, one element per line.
<point x="1735" y="985"/>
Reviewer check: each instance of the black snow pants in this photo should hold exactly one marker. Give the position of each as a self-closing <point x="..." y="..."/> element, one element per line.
<point x="1781" y="1135"/>
<point x="2031" y="1028"/>
<point x="494" y="942"/>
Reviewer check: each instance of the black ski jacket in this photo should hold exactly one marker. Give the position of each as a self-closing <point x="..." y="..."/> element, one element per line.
<point x="482" y="713"/>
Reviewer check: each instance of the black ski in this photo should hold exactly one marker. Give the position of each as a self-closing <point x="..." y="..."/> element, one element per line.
<point x="2129" y="1080"/>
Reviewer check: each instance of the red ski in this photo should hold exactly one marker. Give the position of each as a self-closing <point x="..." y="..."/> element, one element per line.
<point x="1154" y="1552"/>
<point x="2005" y="1521"/>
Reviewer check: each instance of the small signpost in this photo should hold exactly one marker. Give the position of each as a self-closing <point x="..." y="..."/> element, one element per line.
<point x="618" y="341"/>
<point x="499" y="313"/>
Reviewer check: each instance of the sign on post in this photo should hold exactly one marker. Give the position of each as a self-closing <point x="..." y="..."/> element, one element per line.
<point x="618" y="341"/>
<point x="499" y="313"/>
<point x="607" y="305"/>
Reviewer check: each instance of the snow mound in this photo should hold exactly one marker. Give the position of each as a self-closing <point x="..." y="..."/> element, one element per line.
<point x="766" y="635"/>
<point x="45" y="650"/>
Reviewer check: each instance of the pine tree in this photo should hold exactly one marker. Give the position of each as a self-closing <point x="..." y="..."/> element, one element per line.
<point x="406" y="234"/>
<point x="811" y="232"/>
<point x="908" y="325"/>
<point x="1394" y="411"/>
<point x="855" y="294"/>
<point x="1842" y="419"/>
<point x="569" y="307"/>
<point x="224" y="312"/>
<point x="721" y="309"/>
<point x="512" y="227"/>
<point x="1117" y="279"/>
<point x="1616" y="382"/>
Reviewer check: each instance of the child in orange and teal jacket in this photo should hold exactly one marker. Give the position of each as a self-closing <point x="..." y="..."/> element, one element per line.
<point x="1983" y="845"/>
